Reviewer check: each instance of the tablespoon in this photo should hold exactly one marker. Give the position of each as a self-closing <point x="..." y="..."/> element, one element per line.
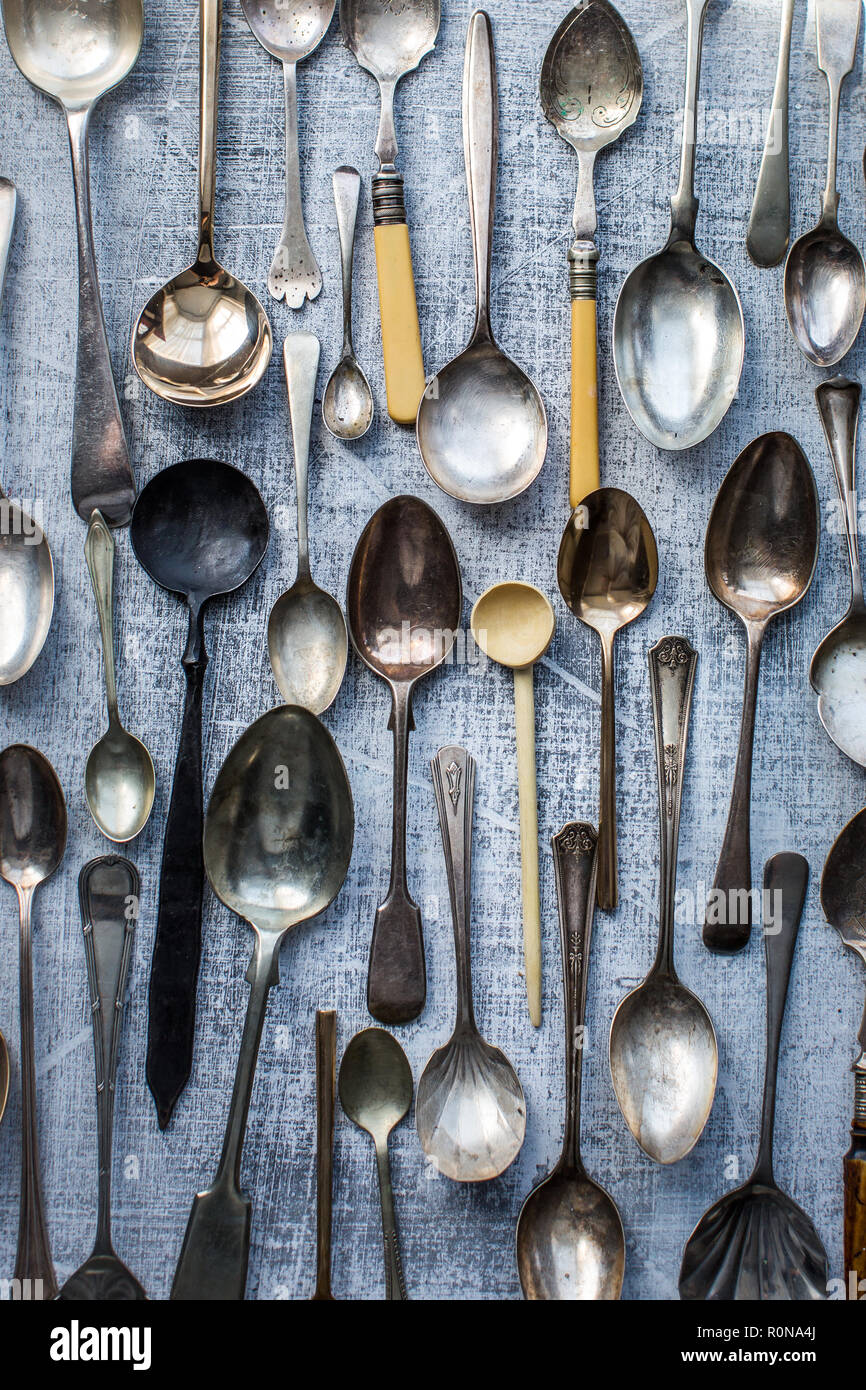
<point x="678" y="335"/>
<point x="277" y="845"/>
<point x="825" y="279"/>
<point x="75" y="54"/>
<point x="203" y="339"/>
<point x="664" y="1059"/>
<point x="109" y="891"/>
<point x="347" y="405"/>
<point x="755" y="1243"/>
<point x="838" y="670"/>
<point x="470" y="1112"/>
<point x="482" y="426"/>
<point x="759" y="556"/>
<point x="307" y="638"/>
<point x="291" y="30"/>
<point x="770" y="220"/>
<point x="376" y="1092"/>
<point x="608" y="568"/>
<point x="32" y="842"/>
<point x="570" y="1241"/>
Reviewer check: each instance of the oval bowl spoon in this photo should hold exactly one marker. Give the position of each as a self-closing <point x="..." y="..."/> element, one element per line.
<point x="664" y="1059"/>
<point x="482" y="426"/>
<point x="760" y="555"/>
<point x="470" y="1112"/>
<point x="570" y="1241"/>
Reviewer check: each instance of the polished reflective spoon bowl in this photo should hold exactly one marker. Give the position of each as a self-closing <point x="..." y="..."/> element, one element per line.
<point x="482" y="427"/>
<point x="203" y="339"/>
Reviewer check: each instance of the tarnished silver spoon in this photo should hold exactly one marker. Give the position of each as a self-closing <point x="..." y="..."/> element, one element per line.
<point x="347" y="405"/>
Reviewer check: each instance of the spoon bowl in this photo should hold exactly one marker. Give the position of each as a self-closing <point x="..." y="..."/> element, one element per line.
<point x="74" y="56"/>
<point x="119" y="783"/>
<point x="27" y="585"/>
<point x="347" y="405"/>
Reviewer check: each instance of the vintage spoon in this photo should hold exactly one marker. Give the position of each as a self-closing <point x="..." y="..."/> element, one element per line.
<point x="200" y="530"/>
<point x="119" y="780"/>
<point x="403" y="604"/>
<point x="591" y="92"/>
<point x="75" y="54"/>
<point x="570" y="1241"/>
<point x="347" y="405"/>
<point x="513" y="624"/>
<point x="4" y="1075"/>
<point x="755" y="1243"/>
<point x="307" y="637"/>
<point x="825" y="279"/>
<point x="203" y="339"/>
<point x="32" y="842"/>
<point x="326" y="1085"/>
<point x="607" y="569"/>
<point x="26" y="567"/>
<point x="291" y="30"/>
<point x="482" y="427"/>
<point x="109" y="891"/>
<point x="678" y="335"/>
<point x="770" y="220"/>
<point x="469" y="1111"/>
<point x="838" y="670"/>
<point x="843" y="898"/>
<point x="664" y="1059"/>
<point x="760" y="554"/>
<point x="276" y="849"/>
<point x="376" y="1092"/>
<point x="389" y="40"/>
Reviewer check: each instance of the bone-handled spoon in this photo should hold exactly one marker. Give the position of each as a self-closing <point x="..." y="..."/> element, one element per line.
<point x="770" y="220"/>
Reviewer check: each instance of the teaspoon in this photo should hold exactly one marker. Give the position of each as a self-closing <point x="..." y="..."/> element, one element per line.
<point x="347" y="405"/>
<point x="470" y="1112"/>
<point x="664" y="1058"/>
<point x="203" y="339"/>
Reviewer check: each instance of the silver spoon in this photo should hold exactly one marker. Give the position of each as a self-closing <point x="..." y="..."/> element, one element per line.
<point x="291" y="30"/>
<point x="838" y="670"/>
<point x="678" y="335"/>
<point x="664" y="1059"/>
<point x="26" y="566"/>
<point x="376" y="1092"/>
<point x="4" y="1075"/>
<point x="32" y="842"/>
<point x="76" y="53"/>
<point x="770" y="220"/>
<point x="570" y="1241"/>
<point x="109" y="890"/>
<point x="825" y="279"/>
<point x="119" y="780"/>
<point x="203" y="339"/>
<point x="759" y="556"/>
<point x="482" y="427"/>
<point x="347" y="405"/>
<point x="470" y="1112"/>
<point x="755" y="1243"/>
<point x="277" y="845"/>
<point x="307" y="637"/>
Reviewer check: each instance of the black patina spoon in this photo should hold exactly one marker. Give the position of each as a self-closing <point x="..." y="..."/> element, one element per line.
<point x="199" y="529"/>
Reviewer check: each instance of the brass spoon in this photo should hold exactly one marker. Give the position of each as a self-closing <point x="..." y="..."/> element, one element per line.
<point x="4" y="1075"/>
<point x="760" y="556"/>
<point x="513" y="624"/>
<point x="608" y="569"/>
<point x="570" y="1241"/>
<point x="203" y="339"/>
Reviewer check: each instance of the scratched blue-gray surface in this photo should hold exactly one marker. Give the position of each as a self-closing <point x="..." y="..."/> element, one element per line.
<point x="457" y="1242"/>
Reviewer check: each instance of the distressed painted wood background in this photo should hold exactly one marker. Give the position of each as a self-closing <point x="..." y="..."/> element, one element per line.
<point x="457" y="1242"/>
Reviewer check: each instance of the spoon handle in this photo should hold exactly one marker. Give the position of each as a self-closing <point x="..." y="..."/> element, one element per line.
<point x="608" y="889"/>
<point x="99" y="554"/>
<point x="481" y="154"/>
<point x="346" y="183"/>
<point x="294" y="273"/>
<point x="109" y="890"/>
<point x="684" y="204"/>
<point x="301" y="353"/>
<point x="326" y="1075"/>
<point x="839" y="408"/>
<point x="672" y="664"/>
<point x="210" y="23"/>
<point x="770" y="220"/>
<point x="395" y="1284"/>
<point x="575" y="862"/>
<point x="837" y="28"/>
<point x="454" y="786"/>
<point x="854" y="1173"/>
<point x="786" y="878"/>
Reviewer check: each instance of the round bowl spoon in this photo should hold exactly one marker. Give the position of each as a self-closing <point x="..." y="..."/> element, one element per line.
<point x="482" y="427"/>
<point x="513" y="624"/>
<point x="203" y="339"/>
<point x="825" y="279"/>
<point x="307" y="638"/>
<point x="347" y="405"/>
<point x="678" y="334"/>
<point x="570" y="1241"/>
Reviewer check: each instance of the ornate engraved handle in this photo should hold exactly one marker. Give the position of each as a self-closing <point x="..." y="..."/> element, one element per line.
<point x="672" y="663"/>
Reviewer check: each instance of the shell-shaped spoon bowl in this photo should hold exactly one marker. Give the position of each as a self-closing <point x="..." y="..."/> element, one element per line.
<point x="754" y="1244"/>
<point x="470" y="1111"/>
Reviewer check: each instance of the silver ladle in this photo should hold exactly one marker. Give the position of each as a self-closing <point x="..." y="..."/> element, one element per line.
<point x="678" y="334"/>
<point x="469" y="1111"/>
<point x="347" y="405"/>
<point x="664" y="1058"/>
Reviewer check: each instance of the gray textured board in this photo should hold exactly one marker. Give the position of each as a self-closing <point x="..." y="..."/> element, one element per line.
<point x="457" y="1242"/>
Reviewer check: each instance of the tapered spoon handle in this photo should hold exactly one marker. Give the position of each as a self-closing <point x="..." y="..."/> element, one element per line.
<point x="326" y="1080"/>
<point x="524" y="718"/>
<point x="608" y="874"/>
<point x="672" y="663"/>
<point x="395" y="1284"/>
<point x="454" y="786"/>
<point x="770" y="220"/>
<point x="839" y="407"/>
<point x="34" y="1268"/>
<point x="575" y="862"/>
